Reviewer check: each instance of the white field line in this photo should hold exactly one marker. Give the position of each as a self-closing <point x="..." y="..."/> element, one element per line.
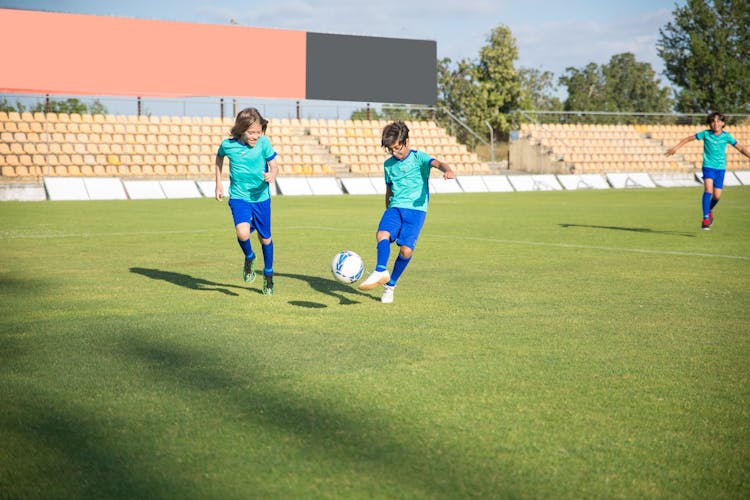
<point x="11" y="236"/>
<point x="608" y="249"/>
<point x="557" y="245"/>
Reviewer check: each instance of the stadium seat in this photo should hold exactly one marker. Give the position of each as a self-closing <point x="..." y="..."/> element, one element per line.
<point x="100" y="144"/>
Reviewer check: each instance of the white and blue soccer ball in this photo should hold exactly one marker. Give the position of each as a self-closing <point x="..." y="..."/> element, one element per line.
<point x="347" y="267"/>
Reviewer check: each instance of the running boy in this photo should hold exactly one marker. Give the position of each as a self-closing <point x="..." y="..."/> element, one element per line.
<point x="406" y="198"/>
<point x="252" y="167"/>
<point x="715" y="143"/>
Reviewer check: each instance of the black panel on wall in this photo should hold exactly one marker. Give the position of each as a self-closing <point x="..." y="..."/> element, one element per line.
<point x="371" y="69"/>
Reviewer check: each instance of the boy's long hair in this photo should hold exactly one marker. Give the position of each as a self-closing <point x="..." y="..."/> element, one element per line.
<point x="396" y="132"/>
<point x="711" y="116"/>
<point x="244" y="119"/>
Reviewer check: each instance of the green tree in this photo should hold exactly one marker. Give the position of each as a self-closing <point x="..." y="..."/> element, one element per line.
<point x="632" y="86"/>
<point x="537" y="90"/>
<point x="8" y="107"/>
<point x="585" y="88"/>
<point x="623" y="85"/>
<point x="481" y="92"/>
<point x="459" y="97"/>
<point x="393" y="112"/>
<point x="706" y="49"/>
<point x="499" y="81"/>
<point x="70" y="105"/>
<point x="368" y="113"/>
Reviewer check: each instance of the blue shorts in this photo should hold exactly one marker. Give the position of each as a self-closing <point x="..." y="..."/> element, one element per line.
<point x="717" y="174"/>
<point x="404" y="224"/>
<point x="257" y="214"/>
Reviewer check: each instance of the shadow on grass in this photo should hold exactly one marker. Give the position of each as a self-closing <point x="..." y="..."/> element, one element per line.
<point x="190" y="282"/>
<point x="359" y="438"/>
<point x="67" y="452"/>
<point x="632" y="229"/>
<point x="329" y="287"/>
<point x="113" y="450"/>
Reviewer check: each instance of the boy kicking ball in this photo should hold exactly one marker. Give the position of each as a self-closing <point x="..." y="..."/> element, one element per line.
<point x="407" y="172"/>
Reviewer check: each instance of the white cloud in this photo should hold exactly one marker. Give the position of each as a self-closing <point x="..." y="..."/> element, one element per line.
<point x="553" y="46"/>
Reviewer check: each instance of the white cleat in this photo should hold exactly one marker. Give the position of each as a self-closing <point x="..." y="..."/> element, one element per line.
<point x="387" y="297"/>
<point x="374" y="279"/>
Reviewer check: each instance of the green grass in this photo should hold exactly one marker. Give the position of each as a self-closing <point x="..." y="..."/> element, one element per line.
<point x="542" y="345"/>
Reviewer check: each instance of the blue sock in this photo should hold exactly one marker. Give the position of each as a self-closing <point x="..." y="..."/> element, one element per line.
<point x="714" y="201"/>
<point x="384" y="253"/>
<point x="398" y="269"/>
<point x="706" y="204"/>
<point x="247" y="249"/>
<point x="267" y="258"/>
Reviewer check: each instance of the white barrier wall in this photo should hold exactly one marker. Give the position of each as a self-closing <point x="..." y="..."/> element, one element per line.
<point x="472" y="183"/>
<point x="113" y="188"/>
<point x="324" y="185"/>
<point x="497" y="183"/>
<point x="358" y="185"/>
<point x="547" y="182"/>
<point x="743" y="176"/>
<point x="65" y="188"/>
<point x="630" y="180"/>
<point x="105" y="188"/>
<point x="293" y="186"/>
<point x="572" y="182"/>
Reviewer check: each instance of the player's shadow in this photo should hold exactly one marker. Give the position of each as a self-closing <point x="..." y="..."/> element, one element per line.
<point x="187" y="281"/>
<point x="327" y="286"/>
<point x="632" y="229"/>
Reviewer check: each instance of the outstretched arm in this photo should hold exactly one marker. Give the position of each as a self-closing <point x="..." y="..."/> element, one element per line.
<point x="677" y="146"/>
<point x="742" y="149"/>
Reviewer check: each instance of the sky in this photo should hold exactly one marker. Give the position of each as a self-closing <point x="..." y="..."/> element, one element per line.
<point x="550" y="35"/>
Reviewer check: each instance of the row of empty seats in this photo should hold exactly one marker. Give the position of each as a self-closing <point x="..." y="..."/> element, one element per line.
<point x="692" y="152"/>
<point x="597" y="148"/>
<point x="60" y="144"/>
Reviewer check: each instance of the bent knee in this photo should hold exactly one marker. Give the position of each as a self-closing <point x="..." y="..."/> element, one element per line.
<point x="243" y="233"/>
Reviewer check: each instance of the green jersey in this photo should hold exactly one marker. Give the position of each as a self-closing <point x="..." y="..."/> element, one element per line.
<point x="715" y="148"/>
<point x="408" y="179"/>
<point x="247" y="164"/>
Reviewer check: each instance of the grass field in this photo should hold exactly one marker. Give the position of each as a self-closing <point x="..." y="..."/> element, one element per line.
<point x="589" y="344"/>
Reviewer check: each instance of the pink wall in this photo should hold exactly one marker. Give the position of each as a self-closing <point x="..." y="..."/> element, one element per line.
<point x="52" y="53"/>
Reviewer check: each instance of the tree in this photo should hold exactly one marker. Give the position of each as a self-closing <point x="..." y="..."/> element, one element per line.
<point x="706" y="49"/>
<point x="536" y="92"/>
<point x="481" y="92"/>
<point x="392" y="112"/>
<point x="632" y="86"/>
<point x="459" y="95"/>
<point x="8" y="107"/>
<point x="70" y="105"/>
<point x="623" y="85"/>
<point x="499" y="82"/>
<point x="368" y="113"/>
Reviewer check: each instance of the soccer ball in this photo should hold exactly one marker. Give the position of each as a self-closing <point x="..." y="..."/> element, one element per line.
<point x="347" y="267"/>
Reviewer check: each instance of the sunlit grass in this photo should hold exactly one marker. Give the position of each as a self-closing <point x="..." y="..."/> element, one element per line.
<point x="553" y="345"/>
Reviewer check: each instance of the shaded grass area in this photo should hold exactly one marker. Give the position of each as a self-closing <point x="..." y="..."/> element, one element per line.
<point x="553" y="345"/>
